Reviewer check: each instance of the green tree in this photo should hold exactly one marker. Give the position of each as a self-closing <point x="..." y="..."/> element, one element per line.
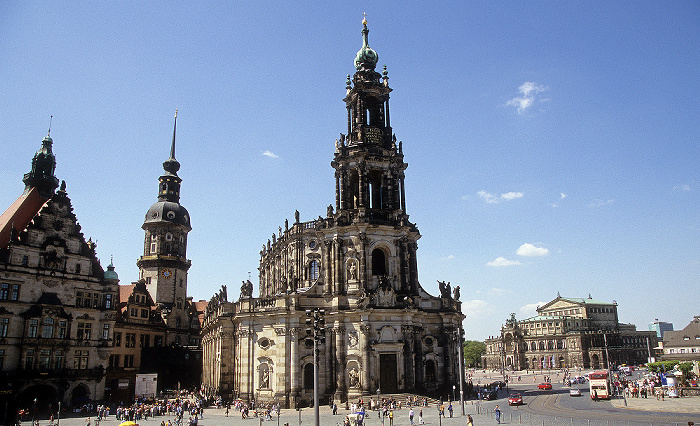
<point x="473" y="349"/>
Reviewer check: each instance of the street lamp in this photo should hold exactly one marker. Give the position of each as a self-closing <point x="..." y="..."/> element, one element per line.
<point x="315" y="323"/>
<point x="34" y="412"/>
<point x="453" y="392"/>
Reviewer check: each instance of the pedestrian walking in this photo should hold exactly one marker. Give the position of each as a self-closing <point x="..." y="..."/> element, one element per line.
<point x="498" y="414"/>
<point x="391" y="418"/>
<point x="470" y="422"/>
<point x="410" y="416"/>
<point x="420" y="417"/>
<point x="449" y="408"/>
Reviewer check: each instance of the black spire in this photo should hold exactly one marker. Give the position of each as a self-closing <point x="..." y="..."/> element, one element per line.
<point x="169" y="187"/>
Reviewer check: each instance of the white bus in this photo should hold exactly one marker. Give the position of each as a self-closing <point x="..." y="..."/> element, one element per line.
<point x="599" y="383"/>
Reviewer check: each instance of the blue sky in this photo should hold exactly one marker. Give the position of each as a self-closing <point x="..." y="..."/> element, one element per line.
<point x="552" y="146"/>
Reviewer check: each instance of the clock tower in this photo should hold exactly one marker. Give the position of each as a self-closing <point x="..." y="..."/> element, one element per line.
<point x="164" y="263"/>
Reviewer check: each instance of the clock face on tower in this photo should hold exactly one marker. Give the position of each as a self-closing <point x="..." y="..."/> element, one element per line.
<point x="167" y="273"/>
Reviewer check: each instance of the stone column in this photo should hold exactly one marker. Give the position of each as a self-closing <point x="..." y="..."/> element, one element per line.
<point x="340" y="352"/>
<point x="361" y="194"/>
<point x="294" y="370"/>
<point x="366" y="351"/>
<point x="337" y="190"/>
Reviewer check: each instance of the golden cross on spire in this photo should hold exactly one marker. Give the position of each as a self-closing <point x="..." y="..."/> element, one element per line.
<point x="364" y="18"/>
<point x="176" y="113"/>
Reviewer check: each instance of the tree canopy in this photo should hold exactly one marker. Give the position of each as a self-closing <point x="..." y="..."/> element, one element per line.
<point x="473" y="349"/>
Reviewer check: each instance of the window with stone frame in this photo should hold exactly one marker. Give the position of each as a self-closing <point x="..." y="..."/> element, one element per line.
<point x="62" y="329"/>
<point x="313" y="270"/>
<point x="4" y="291"/>
<point x="29" y="359"/>
<point x="130" y="341"/>
<point x="113" y="361"/>
<point x="58" y="359"/>
<point x="47" y="329"/>
<point x="14" y="293"/>
<point x="108" y="301"/>
<point x="4" y="327"/>
<point x="105" y="331"/>
<point x="117" y="338"/>
<point x="33" y="327"/>
<point x="44" y="359"/>
<point x="81" y="359"/>
<point x="84" y="331"/>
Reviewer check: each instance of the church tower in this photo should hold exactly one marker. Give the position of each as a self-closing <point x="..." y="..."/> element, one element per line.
<point x="369" y="173"/>
<point x="164" y="263"/>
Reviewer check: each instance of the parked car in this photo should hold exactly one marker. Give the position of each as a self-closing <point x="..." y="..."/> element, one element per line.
<point x="489" y="394"/>
<point x="515" y="399"/>
<point x="545" y="386"/>
<point x="574" y="392"/>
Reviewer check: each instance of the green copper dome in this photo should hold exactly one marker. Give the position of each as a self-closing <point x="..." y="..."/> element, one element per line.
<point x="366" y="58"/>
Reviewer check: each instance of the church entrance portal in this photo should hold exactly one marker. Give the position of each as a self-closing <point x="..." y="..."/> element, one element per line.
<point x="388" y="373"/>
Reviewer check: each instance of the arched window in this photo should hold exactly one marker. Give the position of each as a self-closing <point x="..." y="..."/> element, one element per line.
<point x="313" y="270"/>
<point x="378" y="262"/>
<point x="430" y="371"/>
<point x="309" y="376"/>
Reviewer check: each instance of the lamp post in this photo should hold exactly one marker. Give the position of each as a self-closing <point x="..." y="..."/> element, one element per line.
<point x="34" y="412"/>
<point x="453" y="392"/>
<point x="315" y="323"/>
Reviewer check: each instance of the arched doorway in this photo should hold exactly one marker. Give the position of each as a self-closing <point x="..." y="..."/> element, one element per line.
<point x="595" y="361"/>
<point x="430" y="371"/>
<point x="80" y="396"/>
<point x="46" y="398"/>
<point x="309" y="376"/>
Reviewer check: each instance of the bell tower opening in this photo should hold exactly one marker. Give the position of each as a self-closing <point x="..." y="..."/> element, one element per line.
<point x="379" y="262"/>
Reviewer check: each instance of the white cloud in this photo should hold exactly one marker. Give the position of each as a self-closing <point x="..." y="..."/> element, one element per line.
<point x="528" y="249"/>
<point x="476" y="308"/>
<point x="562" y="196"/>
<point x="685" y="188"/>
<point x="530" y="310"/>
<point x="494" y="199"/>
<point x="502" y="261"/>
<point x="599" y="203"/>
<point x="529" y="91"/>
<point x="512" y="195"/>
<point x="270" y="154"/>
<point x="449" y="257"/>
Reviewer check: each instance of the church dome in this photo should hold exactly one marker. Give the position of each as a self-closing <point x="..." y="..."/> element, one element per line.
<point x="168" y="212"/>
<point x="366" y="58"/>
<point x="110" y="273"/>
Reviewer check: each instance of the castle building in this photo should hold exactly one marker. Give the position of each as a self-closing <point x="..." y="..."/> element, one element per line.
<point x="57" y="304"/>
<point x="568" y="332"/>
<point x="383" y="331"/>
<point x="157" y="326"/>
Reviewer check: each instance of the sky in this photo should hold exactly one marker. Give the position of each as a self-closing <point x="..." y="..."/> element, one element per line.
<point x="553" y="147"/>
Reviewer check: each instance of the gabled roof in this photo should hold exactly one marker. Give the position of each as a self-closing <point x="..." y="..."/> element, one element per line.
<point x="19" y="214"/>
<point x="574" y="300"/>
<point x="125" y="291"/>
<point x="691" y="332"/>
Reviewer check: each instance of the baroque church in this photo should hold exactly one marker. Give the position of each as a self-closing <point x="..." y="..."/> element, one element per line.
<point x="383" y="333"/>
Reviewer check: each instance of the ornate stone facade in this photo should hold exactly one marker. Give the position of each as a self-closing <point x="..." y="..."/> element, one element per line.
<point x="568" y="333"/>
<point x="384" y="333"/>
<point x="57" y="304"/>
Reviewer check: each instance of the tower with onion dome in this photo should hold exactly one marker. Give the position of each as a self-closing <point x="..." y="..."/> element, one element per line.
<point x="164" y="263"/>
